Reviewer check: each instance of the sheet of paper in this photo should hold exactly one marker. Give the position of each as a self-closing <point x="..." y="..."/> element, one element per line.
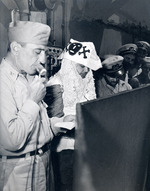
<point x="66" y="125"/>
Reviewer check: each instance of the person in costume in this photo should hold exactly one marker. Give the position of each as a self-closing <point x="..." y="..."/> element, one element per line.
<point x="74" y="83"/>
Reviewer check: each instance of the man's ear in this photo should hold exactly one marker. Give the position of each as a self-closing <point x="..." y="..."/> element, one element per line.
<point x="15" y="47"/>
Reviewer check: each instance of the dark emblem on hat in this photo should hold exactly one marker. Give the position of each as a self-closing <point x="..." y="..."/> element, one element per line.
<point x="115" y="67"/>
<point x="131" y="49"/>
<point x="73" y="48"/>
<point x="84" y="52"/>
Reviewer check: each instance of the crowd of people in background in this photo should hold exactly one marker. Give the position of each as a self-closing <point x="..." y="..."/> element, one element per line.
<point x="135" y="67"/>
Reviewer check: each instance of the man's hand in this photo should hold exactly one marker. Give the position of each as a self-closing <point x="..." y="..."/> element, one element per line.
<point x="37" y="89"/>
<point x="56" y="129"/>
<point x="63" y="124"/>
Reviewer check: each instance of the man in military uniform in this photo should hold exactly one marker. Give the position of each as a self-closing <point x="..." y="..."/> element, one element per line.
<point x="109" y="83"/>
<point x="143" y="49"/>
<point x="25" y="129"/>
<point x="144" y="77"/>
<point x="128" y="52"/>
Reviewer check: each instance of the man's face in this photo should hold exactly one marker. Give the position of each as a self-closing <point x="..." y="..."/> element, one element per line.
<point x="82" y="70"/>
<point x="31" y="57"/>
<point x="112" y="81"/>
<point x="129" y="58"/>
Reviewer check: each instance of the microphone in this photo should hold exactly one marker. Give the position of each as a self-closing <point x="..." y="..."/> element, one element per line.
<point x="42" y="73"/>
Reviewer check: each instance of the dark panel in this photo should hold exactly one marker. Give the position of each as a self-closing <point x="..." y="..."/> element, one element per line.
<point x="112" y="142"/>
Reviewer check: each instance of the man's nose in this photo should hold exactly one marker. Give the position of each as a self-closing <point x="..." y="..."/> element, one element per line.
<point x="42" y="57"/>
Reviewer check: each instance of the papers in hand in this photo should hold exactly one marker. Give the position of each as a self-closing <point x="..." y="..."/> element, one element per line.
<point x="65" y="125"/>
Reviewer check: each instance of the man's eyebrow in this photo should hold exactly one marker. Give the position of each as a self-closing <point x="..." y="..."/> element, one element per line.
<point x="44" y="49"/>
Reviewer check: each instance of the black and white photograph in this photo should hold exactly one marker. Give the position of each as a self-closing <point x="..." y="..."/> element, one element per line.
<point x="74" y="95"/>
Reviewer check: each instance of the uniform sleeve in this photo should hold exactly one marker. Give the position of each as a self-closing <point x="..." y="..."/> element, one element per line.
<point x="16" y="125"/>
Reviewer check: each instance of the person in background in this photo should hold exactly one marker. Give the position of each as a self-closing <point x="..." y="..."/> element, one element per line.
<point x="109" y="82"/>
<point x="75" y="82"/>
<point x="131" y="67"/>
<point x="144" y="77"/>
<point x="26" y="131"/>
<point x="142" y="51"/>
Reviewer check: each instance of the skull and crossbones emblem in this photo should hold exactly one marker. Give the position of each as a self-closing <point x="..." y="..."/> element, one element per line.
<point x="74" y="48"/>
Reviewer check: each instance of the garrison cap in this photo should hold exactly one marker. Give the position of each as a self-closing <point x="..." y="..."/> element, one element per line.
<point x="29" y="32"/>
<point x="127" y="49"/>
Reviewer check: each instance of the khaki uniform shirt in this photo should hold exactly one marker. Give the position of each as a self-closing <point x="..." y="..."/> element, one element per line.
<point x="24" y="125"/>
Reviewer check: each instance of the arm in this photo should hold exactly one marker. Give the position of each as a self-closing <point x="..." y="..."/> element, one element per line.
<point x="16" y="124"/>
<point x="19" y="113"/>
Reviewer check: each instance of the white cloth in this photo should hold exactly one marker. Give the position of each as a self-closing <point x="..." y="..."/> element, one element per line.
<point x="83" y="53"/>
<point x="75" y="90"/>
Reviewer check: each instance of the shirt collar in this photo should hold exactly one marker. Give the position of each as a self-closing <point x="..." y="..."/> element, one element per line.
<point x="12" y="72"/>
